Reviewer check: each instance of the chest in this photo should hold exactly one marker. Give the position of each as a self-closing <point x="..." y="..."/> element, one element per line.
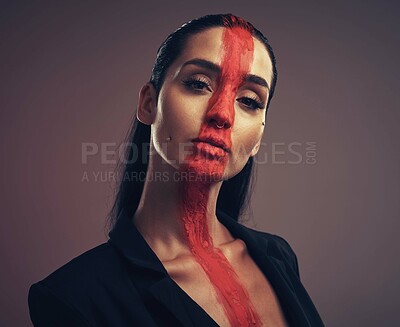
<point x="192" y="279"/>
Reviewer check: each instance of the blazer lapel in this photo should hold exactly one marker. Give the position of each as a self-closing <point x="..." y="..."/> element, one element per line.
<point x="284" y="282"/>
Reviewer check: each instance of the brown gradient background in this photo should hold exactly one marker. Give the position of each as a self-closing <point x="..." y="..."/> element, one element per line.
<point x="71" y="72"/>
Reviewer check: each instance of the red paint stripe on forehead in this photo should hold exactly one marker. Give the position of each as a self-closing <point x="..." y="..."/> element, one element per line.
<point x="232" y="21"/>
<point x="238" y="55"/>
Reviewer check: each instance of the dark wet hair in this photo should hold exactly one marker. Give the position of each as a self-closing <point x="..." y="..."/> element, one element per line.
<point x="234" y="195"/>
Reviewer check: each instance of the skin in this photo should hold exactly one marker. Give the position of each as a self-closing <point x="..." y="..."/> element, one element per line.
<point x="193" y="101"/>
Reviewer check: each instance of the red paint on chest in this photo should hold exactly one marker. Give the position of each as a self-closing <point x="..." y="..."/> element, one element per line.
<point x="210" y="162"/>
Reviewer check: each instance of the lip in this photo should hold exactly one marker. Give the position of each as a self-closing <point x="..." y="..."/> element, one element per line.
<point x="214" y="142"/>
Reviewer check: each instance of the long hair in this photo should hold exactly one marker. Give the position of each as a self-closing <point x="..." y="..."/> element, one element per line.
<point x="234" y="194"/>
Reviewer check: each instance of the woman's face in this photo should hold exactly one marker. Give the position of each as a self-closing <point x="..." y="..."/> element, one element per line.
<point x="211" y="106"/>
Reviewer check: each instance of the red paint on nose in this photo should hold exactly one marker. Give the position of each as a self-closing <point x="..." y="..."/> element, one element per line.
<point x="238" y="49"/>
<point x="238" y="55"/>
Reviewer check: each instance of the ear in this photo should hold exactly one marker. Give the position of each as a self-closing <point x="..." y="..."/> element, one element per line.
<point x="147" y="104"/>
<point x="254" y="151"/>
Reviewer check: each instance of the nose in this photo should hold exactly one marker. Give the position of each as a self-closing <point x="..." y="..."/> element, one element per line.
<point x="221" y="111"/>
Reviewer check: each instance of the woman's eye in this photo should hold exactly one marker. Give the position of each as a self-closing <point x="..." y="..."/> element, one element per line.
<point x="197" y="84"/>
<point x="251" y="103"/>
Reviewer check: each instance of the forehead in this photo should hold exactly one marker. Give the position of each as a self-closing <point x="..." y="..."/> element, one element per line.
<point x="209" y="45"/>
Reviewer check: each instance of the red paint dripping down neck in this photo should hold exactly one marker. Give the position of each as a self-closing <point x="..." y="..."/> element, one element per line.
<point x="236" y="62"/>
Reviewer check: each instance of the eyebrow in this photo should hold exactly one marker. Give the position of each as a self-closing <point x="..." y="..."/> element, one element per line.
<point x="217" y="69"/>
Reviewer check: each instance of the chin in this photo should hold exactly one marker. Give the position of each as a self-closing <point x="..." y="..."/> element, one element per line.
<point x="206" y="171"/>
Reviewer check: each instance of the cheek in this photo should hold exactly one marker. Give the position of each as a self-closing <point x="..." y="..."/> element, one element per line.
<point x="243" y="142"/>
<point x="167" y="117"/>
<point x="178" y="117"/>
<point x="246" y="137"/>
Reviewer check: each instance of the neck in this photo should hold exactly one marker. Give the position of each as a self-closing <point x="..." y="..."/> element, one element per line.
<point x="175" y="215"/>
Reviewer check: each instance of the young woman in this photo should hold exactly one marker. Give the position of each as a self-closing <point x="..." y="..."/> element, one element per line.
<point x="177" y="255"/>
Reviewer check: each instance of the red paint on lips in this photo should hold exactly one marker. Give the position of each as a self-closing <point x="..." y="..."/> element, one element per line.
<point x="210" y="151"/>
<point x="216" y="142"/>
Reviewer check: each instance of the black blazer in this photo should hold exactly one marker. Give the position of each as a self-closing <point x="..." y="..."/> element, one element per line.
<point x="123" y="283"/>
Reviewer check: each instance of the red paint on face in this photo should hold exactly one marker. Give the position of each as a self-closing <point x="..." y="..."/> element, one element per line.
<point x="210" y="161"/>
